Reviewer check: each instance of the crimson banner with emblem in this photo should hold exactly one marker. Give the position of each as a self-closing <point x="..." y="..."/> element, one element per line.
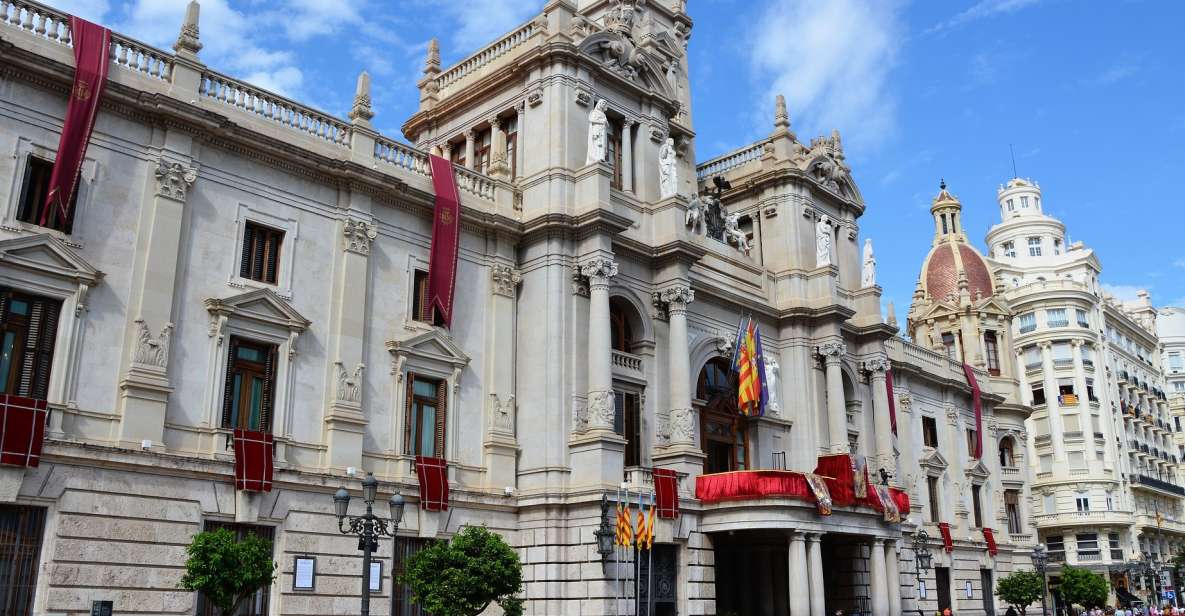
<point x="92" y="57"/>
<point x="977" y="404"/>
<point x="446" y="239"/>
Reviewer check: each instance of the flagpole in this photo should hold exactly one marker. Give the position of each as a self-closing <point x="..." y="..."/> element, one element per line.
<point x="617" y="554"/>
<point x="637" y="566"/>
<point x="650" y="557"/>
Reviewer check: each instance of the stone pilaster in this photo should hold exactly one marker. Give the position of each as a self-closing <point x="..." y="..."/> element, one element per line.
<point x="879" y="585"/>
<point x="627" y="155"/>
<point x="800" y="598"/>
<point x="499" y="167"/>
<point x="682" y="417"/>
<point x="144" y="389"/>
<point x="470" y="145"/>
<point x="345" y="422"/>
<point x="877" y="368"/>
<point x="521" y="140"/>
<point x="815" y="574"/>
<point x="500" y="445"/>
<point x="893" y="573"/>
<point x="837" y="412"/>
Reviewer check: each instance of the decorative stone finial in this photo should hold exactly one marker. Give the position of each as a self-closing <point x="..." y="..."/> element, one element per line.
<point x="781" y="116"/>
<point x="432" y="62"/>
<point x="188" y="40"/>
<point x="891" y="314"/>
<point x="941" y="183"/>
<point x="362" y="110"/>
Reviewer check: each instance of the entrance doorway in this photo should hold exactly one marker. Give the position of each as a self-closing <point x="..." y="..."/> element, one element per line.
<point x="665" y="585"/>
<point x="985" y="582"/>
<point x="942" y="581"/>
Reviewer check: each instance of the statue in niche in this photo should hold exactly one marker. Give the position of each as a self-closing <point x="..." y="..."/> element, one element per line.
<point x="713" y="217"/>
<point x="733" y="234"/>
<point x="868" y="276"/>
<point x="668" y="177"/>
<point x="694" y="219"/>
<point x="772" y="373"/>
<point x="823" y="234"/>
<point x="598" y="124"/>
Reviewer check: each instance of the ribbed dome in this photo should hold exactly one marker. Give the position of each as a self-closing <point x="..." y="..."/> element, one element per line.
<point x="945" y="263"/>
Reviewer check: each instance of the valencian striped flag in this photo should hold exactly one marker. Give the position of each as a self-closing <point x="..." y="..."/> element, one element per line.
<point x="749" y="364"/>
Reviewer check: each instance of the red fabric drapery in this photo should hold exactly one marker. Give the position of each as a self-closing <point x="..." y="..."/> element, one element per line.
<point x="752" y="484"/>
<point x="22" y="430"/>
<point x="975" y="403"/>
<point x="990" y="537"/>
<point x="837" y="472"/>
<point x="92" y="49"/>
<point x="948" y="544"/>
<point x="433" y="476"/>
<point x="901" y="497"/>
<point x="666" y="493"/>
<point x="892" y="400"/>
<point x="254" y="464"/>
<point x="446" y="239"/>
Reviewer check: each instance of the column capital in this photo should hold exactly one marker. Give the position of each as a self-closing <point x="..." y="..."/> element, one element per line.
<point x="1045" y="345"/>
<point x="599" y="270"/>
<point x="677" y="297"/>
<point x="814" y="537"/>
<point x="505" y="279"/>
<point x="878" y="541"/>
<point x="878" y="366"/>
<point x="173" y="179"/>
<point x="470" y="135"/>
<point x="832" y="351"/>
<point x="520" y="108"/>
<point x="447" y="149"/>
<point x="495" y="122"/>
<point x="628" y="123"/>
<point x="358" y="235"/>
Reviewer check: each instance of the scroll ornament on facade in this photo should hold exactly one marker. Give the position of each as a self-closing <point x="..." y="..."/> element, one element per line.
<point x="173" y="180"/>
<point x="349" y="385"/>
<point x="152" y="351"/>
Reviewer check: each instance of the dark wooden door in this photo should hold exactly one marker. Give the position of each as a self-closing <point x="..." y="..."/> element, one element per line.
<point x="942" y="581"/>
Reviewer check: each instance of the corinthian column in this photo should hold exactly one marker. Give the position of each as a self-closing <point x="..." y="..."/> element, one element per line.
<point x="800" y="599"/>
<point x="880" y="414"/>
<point x="599" y="271"/>
<point x="879" y="586"/>
<point x="893" y="573"/>
<point x="682" y="416"/>
<point x="837" y="412"/>
<point x="470" y="148"/>
<point x="815" y="574"/>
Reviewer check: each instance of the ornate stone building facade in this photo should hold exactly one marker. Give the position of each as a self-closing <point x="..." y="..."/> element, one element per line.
<point x="239" y="260"/>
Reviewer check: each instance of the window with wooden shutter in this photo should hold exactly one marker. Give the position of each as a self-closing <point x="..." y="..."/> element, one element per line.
<point x="421" y="309"/>
<point x="28" y="327"/>
<point x="249" y="393"/>
<point x="427" y="402"/>
<point x="261" y="252"/>
<point x="35" y="189"/>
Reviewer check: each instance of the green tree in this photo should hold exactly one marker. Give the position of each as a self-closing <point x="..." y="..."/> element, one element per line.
<point x="227" y="571"/>
<point x="1081" y="587"/>
<point x="461" y="578"/>
<point x="1020" y="589"/>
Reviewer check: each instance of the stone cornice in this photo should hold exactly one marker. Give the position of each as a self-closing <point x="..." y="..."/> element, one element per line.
<point x="753" y="185"/>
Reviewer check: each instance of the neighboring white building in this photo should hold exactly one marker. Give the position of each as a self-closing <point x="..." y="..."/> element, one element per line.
<point x="1170" y="327"/>
<point x="227" y="240"/>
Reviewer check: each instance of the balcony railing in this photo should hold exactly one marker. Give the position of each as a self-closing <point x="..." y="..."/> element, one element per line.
<point x="1057" y="557"/>
<point x="1152" y="482"/>
<point x="1058" y="323"/>
<point x="1085" y="556"/>
<point x="1116" y="554"/>
<point x="1024" y="329"/>
<point x="627" y="361"/>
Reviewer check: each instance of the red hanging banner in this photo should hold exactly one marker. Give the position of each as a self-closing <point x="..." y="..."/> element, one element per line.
<point x="22" y="430"/>
<point x="433" y="476"/>
<point x="254" y="460"/>
<point x="892" y="400"/>
<point x="446" y="239"/>
<point x="975" y="403"/>
<point x="948" y="543"/>
<point x="990" y="537"/>
<point x="92" y="58"/>
<point x="666" y="493"/>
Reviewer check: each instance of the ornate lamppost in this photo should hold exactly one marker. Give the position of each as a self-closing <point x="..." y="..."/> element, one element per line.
<point x="1040" y="561"/>
<point x="921" y="555"/>
<point x="368" y="526"/>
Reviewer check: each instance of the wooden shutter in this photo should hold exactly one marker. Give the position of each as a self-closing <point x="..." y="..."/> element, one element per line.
<point x="441" y="415"/>
<point x="38" y="352"/>
<point x="269" y="391"/>
<point x="272" y="247"/>
<point x="228" y="387"/>
<point x="408" y="446"/>
<point x="248" y="242"/>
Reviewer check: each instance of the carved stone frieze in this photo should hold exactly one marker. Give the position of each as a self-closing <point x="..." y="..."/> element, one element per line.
<point x="349" y="385"/>
<point x="600" y="410"/>
<point x="358" y="235"/>
<point x="682" y="426"/>
<point x="505" y="279"/>
<point x="174" y="179"/>
<point x="579" y="284"/>
<point x="502" y="414"/>
<point x="152" y="351"/>
<point x="583" y="98"/>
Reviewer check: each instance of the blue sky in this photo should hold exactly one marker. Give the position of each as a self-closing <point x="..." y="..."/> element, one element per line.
<point x="1091" y="96"/>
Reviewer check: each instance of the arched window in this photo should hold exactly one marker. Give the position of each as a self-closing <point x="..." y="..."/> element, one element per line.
<point x="1007" y="457"/>
<point x="723" y="431"/>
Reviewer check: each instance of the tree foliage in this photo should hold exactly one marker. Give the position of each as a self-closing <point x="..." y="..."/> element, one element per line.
<point x="225" y="570"/>
<point x="1081" y="587"/>
<point x="1020" y="589"/>
<point x="461" y="578"/>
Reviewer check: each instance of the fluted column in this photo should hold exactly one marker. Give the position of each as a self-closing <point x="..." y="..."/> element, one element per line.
<point x="893" y="573"/>
<point x="627" y="155"/>
<point x="682" y="415"/>
<point x="599" y="271"/>
<point x="520" y="140"/>
<point x="815" y="574"/>
<point x="879" y="585"/>
<point x="880" y="414"/>
<point x="470" y="143"/>
<point x="1056" y="428"/>
<point x="837" y="412"/>
<point x="498" y="165"/>
<point x="800" y="602"/>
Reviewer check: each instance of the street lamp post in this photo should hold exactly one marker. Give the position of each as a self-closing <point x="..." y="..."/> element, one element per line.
<point x="921" y="555"/>
<point x="1040" y="561"/>
<point x="368" y="526"/>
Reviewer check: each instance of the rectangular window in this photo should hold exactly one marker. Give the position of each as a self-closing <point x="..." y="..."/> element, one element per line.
<point x="977" y="509"/>
<point x="21" y="530"/>
<point x="1110" y="502"/>
<point x="1063" y="354"/>
<point x="932" y="488"/>
<point x="512" y="146"/>
<point x="627" y="422"/>
<point x="613" y="142"/>
<point x="1012" y="510"/>
<point x="1088" y="544"/>
<point x="1011" y="205"/>
<point x="1057" y="246"/>
<point x="28" y="327"/>
<point x="35" y="190"/>
<point x="1175" y="362"/>
<point x="257" y="604"/>
<point x="1090" y="397"/>
<point x="971" y="438"/>
<point x="481" y="152"/>
<point x="421" y="310"/>
<point x="1024" y="202"/>
<point x="1009" y="249"/>
<point x="930" y="432"/>
<point x="261" y="252"/>
<point x="1056" y="317"/>
<point x="1027" y="322"/>
<point x="1046" y="463"/>
<point x="1066" y="396"/>
<point x="405" y="548"/>
<point x="1077" y="460"/>
<point x="1082" y="320"/>
<point x="427" y="406"/>
<point x="1038" y="394"/>
<point x="457" y="153"/>
<point x="1071" y="425"/>
<point x="948" y="341"/>
<point x="1049" y="504"/>
<point x="992" y="350"/>
<point x="1032" y="357"/>
<point x="1082" y="501"/>
<point x="1034" y="246"/>
<point x="250" y="385"/>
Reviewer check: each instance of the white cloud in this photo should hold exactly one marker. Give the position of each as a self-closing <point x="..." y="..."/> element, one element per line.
<point x="90" y="10"/>
<point x="1179" y="263"/>
<point x="832" y="61"/>
<point x="1123" y="292"/>
<point x="1125" y="66"/>
<point x="284" y="81"/>
<point x="481" y="21"/>
<point x="981" y="10"/>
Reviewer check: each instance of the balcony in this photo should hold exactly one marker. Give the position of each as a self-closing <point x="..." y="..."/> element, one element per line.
<point x="1057" y="557"/>
<point x="1089" y="556"/>
<point x="1156" y="484"/>
<point x="1080" y="518"/>
<point x="627" y="363"/>
<point x="1057" y="323"/>
<point x="1024" y="329"/>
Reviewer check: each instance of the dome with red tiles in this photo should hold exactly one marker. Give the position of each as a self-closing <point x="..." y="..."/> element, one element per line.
<point x="952" y="259"/>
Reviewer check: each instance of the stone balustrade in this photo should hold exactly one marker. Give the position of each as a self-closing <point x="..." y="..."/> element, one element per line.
<point x="36" y="19"/>
<point x="474" y="183"/>
<point x="627" y="362"/>
<point x="403" y="156"/>
<point x="731" y="160"/>
<point x="275" y="108"/>
<point x="486" y="55"/>
<point x="144" y="59"/>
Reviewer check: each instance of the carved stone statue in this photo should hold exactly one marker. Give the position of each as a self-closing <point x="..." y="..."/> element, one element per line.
<point x="734" y="235"/>
<point x="823" y="234"/>
<point x="713" y="217"/>
<point x="668" y="177"/>
<point x="598" y="125"/>
<point x="695" y="215"/>
<point x="868" y="276"/>
<point x="349" y="386"/>
<point x="152" y="351"/>
<point x="772" y="373"/>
